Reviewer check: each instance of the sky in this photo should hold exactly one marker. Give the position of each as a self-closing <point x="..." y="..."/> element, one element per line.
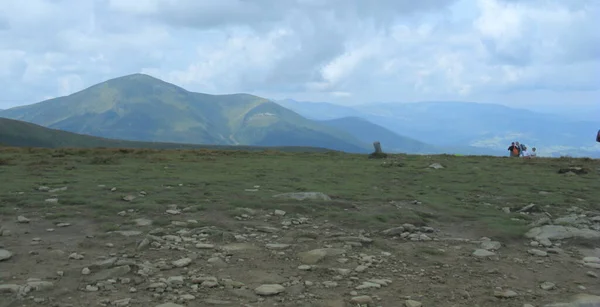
<point x="525" y="53"/>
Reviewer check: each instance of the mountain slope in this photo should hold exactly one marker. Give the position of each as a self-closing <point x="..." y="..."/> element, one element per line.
<point x="142" y="108"/>
<point x="319" y="110"/>
<point x="23" y="134"/>
<point x="369" y="132"/>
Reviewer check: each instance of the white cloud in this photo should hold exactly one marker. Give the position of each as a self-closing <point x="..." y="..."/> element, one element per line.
<point x="347" y="51"/>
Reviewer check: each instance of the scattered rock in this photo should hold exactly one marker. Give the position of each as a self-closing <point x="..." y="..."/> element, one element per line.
<point x="580" y="300"/>
<point x="304" y="196"/>
<point x="21" y="219"/>
<point x="537" y="252"/>
<point x="436" y="166"/>
<point x="317" y="255"/>
<point x="547" y="286"/>
<point x="491" y="245"/>
<point x="269" y="289"/>
<point x="527" y="208"/>
<point x="182" y="262"/>
<point x="412" y="303"/>
<point x="363" y="299"/>
<point x="483" y="253"/>
<point x="557" y="232"/>
<point x="142" y="222"/>
<point x="5" y="254"/>
<point x="277" y="246"/>
<point x="112" y="273"/>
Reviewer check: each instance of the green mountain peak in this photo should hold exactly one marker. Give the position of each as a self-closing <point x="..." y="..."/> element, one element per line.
<point x="143" y="108"/>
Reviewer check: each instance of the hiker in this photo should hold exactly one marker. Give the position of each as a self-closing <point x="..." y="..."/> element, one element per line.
<point x="598" y="136"/>
<point x="533" y="153"/>
<point x="524" y="153"/>
<point x="513" y="150"/>
<point x="522" y="149"/>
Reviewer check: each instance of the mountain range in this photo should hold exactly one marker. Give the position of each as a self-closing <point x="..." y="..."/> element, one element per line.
<point x="142" y="108"/>
<point x="454" y="124"/>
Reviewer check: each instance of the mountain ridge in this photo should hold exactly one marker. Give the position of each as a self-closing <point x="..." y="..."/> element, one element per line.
<point x="140" y="107"/>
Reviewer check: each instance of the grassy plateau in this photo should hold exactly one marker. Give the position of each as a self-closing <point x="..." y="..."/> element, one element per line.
<point x="372" y="194"/>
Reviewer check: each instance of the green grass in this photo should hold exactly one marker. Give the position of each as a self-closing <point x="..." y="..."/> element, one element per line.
<point x="366" y="194"/>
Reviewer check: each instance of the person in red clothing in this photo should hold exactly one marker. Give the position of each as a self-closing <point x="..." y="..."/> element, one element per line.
<point x="513" y="149"/>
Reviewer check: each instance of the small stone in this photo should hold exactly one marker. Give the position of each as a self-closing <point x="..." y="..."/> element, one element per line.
<point x="187" y="297"/>
<point x="128" y="198"/>
<point x="23" y="220"/>
<point x="182" y="262"/>
<point x="277" y="246"/>
<point x="5" y="254"/>
<point x="537" y="252"/>
<point x="175" y="280"/>
<point x="491" y="245"/>
<point x="86" y="271"/>
<point x="279" y="212"/>
<point x="361" y="268"/>
<point x="304" y="267"/>
<point x="483" y="253"/>
<point x="545" y="242"/>
<point x="363" y="299"/>
<point x="217" y="262"/>
<point x="269" y="289"/>
<point x="205" y="246"/>
<point x="412" y="303"/>
<point x="436" y="166"/>
<point x="90" y="288"/>
<point x="76" y="256"/>
<point x="547" y="286"/>
<point x="122" y="302"/>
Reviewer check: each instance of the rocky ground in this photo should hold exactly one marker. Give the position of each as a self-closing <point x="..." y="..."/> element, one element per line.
<point x="275" y="258"/>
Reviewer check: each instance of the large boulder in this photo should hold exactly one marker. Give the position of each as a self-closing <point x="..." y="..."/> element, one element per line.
<point x="580" y="300"/>
<point x="557" y="232"/>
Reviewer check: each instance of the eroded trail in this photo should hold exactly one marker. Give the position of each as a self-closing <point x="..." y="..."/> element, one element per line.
<point x="274" y="258"/>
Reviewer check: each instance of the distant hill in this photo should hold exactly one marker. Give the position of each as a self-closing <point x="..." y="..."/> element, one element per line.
<point x="455" y="125"/>
<point x="16" y="133"/>
<point x="319" y="110"/>
<point x="142" y="108"/>
<point x="369" y="132"/>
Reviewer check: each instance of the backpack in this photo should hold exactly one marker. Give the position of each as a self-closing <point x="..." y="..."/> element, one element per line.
<point x="522" y="147"/>
<point x="515" y="150"/>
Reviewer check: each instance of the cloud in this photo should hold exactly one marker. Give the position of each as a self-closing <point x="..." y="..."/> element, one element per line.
<point x="346" y="51"/>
